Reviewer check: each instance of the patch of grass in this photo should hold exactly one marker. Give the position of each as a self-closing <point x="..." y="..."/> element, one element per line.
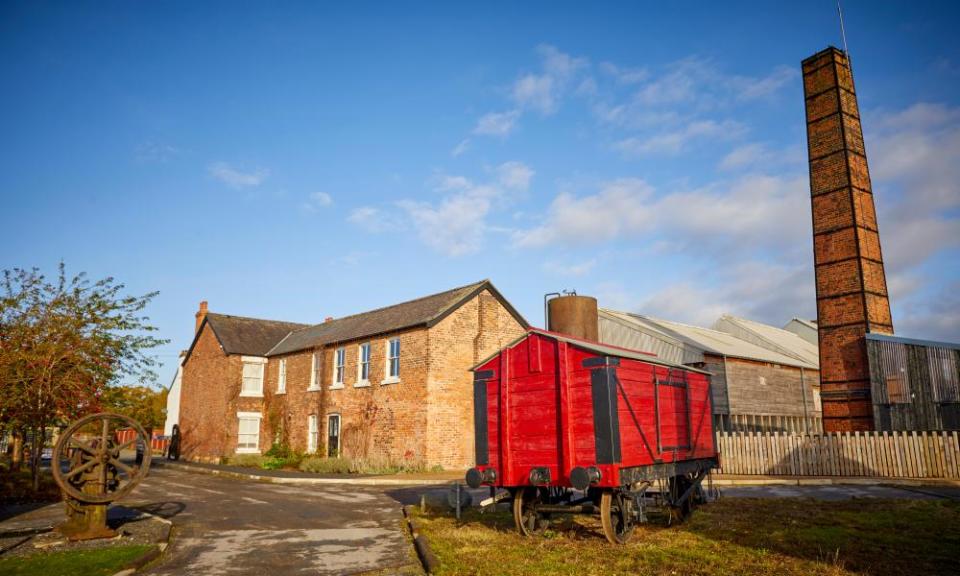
<point x="97" y="562"/>
<point x="733" y="536"/>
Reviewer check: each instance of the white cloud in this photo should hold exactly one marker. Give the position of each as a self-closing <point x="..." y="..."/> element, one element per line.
<point x="761" y="157"/>
<point x="515" y="175"/>
<point x="739" y="215"/>
<point x="746" y="155"/>
<point x="235" y="178"/>
<point x="747" y="88"/>
<point x="618" y="208"/>
<point x="316" y="201"/>
<point x="156" y="152"/>
<point x="933" y="316"/>
<point x="373" y="219"/>
<point x="542" y="91"/>
<point x="761" y="290"/>
<point x="624" y="75"/>
<point x="455" y="225"/>
<point x="676" y="141"/>
<point x="497" y="123"/>
<point x="915" y="164"/>
<point x="460" y="148"/>
<point x="575" y="269"/>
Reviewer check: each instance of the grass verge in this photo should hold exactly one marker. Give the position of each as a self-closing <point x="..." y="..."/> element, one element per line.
<point x="96" y="562"/>
<point x="733" y="536"/>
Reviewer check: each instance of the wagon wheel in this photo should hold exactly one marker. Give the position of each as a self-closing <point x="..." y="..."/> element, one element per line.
<point x="88" y="446"/>
<point x="616" y="515"/>
<point x="529" y="522"/>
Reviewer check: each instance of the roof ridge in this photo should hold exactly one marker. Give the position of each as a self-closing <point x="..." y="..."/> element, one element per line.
<point x="394" y="305"/>
<point x="255" y="319"/>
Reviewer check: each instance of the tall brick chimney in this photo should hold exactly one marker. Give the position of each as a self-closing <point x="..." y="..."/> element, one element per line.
<point x="201" y="314"/>
<point x="851" y="284"/>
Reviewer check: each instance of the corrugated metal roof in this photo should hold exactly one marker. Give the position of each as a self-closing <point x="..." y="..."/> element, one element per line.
<point x="619" y="329"/>
<point x="776" y="339"/>
<point x="913" y="341"/>
<point x="705" y="339"/>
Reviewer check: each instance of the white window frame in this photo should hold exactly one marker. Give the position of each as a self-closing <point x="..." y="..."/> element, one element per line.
<point x="313" y="433"/>
<point x="282" y="377"/>
<point x="252" y="361"/>
<point x="361" y="381"/>
<point x="388" y="377"/>
<point x="314" y="369"/>
<point x="339" y="368"/>
<point x="248" y="416"/>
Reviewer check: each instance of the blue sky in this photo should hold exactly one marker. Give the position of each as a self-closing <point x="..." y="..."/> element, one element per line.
<point x="304" y="161"/>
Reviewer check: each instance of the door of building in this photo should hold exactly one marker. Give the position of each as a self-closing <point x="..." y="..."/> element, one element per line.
<point x="333" y="435"/>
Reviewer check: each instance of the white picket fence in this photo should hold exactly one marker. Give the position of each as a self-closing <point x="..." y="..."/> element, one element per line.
<point x="869" y="454"/>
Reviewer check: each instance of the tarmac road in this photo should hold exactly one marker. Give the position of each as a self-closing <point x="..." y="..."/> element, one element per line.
<point x="228" y="527"/>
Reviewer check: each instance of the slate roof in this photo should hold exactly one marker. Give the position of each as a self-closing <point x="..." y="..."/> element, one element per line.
<point x="247" y="336"/>
<point x="425" y="311"/>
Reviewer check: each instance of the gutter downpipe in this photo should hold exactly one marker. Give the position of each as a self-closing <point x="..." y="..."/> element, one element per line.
<point x="803" y="391"/>
<point x="726" y="386"/>
<point x="546" y="308"/>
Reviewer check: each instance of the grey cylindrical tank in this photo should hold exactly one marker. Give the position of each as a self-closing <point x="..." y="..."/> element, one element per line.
<point x="574" y="315"/>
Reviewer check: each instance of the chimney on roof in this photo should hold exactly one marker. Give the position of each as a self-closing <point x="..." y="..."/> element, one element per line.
<point x="851" y="285"/>
<point x="328" y="319"/>
<point x="201" y="314"/>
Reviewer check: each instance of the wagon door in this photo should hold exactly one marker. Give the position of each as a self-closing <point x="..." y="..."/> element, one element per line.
<point x="672" y="409"/>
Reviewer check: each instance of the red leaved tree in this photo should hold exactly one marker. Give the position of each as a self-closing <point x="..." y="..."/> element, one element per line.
<point x="61" y="344"/>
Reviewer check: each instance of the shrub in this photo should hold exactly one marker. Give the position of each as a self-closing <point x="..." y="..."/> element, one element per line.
<point x="319" y="465"/>
<point x="278" y="451"/>
<point x="273" y="463"/>
<point x="246" y="460"/>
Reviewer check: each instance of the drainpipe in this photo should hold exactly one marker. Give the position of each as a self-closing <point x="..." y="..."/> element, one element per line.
<point x="803" y="391"/>
<point x="546" y="308"/>
<point x="726" y="391"/>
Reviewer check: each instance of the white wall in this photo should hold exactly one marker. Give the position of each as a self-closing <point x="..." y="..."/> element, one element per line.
<point x="173" y="402"/>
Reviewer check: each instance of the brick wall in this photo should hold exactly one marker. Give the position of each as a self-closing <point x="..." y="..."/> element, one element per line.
<point x="208" y="400"/>
<point x="424" y="418"/>
<point x="850" y="281"/>
<point x="476" y="330"/>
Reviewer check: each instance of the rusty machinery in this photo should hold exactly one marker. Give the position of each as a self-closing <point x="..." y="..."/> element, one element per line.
<point x="90" y="467"/>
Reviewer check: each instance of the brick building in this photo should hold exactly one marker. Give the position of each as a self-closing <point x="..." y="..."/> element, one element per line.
<point x="390" y="384"/>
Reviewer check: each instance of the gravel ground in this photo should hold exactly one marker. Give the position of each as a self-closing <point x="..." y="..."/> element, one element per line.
<point x="132" y="526"/>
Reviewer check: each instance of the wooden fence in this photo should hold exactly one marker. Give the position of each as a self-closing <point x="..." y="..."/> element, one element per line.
<point x="871" y="454"/>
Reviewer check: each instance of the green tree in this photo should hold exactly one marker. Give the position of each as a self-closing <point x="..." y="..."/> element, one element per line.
<point x="144" y="404"/>
<point x="62" y="343"/>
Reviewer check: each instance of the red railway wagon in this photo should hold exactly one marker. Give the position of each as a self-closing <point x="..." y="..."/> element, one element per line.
<point x="572" y="426"/>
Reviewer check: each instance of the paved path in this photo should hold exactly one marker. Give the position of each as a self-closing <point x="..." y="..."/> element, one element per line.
<point x="228" y="527"/>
